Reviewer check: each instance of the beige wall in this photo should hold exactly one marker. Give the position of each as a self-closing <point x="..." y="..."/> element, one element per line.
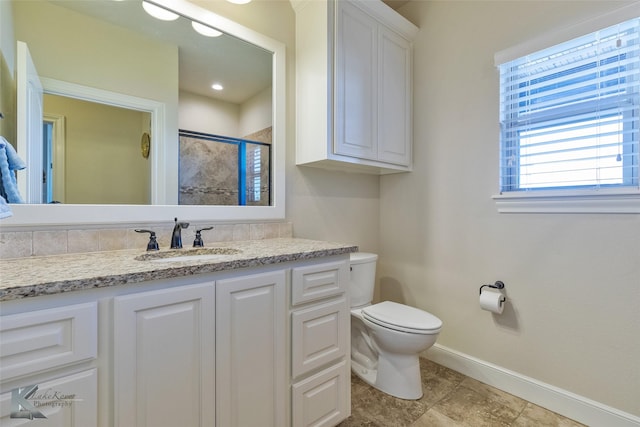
<point x="201" y="114"/>
<point x="66" y="40"/>
<point x="7" y="103"/>
<point x="573" y="318"/>
<point x="7" y="82"/>
<point x="256" y="113"/>
<point x="103" y="158"/>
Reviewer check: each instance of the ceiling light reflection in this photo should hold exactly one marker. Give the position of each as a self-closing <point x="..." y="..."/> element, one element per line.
<point x="205" y="30"/>
<point x="158" y="12"/>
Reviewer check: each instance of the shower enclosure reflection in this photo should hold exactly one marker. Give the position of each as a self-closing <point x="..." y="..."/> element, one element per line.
<point x="217" y="170"/>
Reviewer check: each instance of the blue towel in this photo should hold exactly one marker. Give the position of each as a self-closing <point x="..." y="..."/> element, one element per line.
<point x="5" y="210"/>
<point x="15" y="162"/>
<point x="10" y="162"/>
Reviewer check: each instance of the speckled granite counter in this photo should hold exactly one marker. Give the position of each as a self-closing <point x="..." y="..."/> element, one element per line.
<point x="35" y="276"/>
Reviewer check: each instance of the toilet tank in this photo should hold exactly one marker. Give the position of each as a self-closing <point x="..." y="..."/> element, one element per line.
<point x="362" y="279"/>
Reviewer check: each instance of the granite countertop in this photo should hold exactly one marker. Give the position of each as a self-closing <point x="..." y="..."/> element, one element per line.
<point x="45" y="275"/>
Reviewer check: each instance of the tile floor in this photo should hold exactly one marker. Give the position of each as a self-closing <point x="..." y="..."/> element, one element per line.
<point x="450" y="400"/>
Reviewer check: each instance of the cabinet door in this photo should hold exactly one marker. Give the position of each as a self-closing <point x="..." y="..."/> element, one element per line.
<point x="394" y="98"/>
<point x="164" y="357"/>
<point x="319" y="335"/>
<point x="355" y="83"/>
<point x="69" y="401"/>
<point x="250" y="351"/>
<point x="322" y="400"/>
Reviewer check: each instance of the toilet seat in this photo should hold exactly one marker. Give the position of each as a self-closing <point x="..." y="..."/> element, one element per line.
<point x="403" y="318"/>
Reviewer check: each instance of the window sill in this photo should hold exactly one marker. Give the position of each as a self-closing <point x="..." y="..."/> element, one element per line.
<point x="585" y="201"/>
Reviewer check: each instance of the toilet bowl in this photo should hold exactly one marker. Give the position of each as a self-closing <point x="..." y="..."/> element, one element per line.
<point x="386" y="338"/>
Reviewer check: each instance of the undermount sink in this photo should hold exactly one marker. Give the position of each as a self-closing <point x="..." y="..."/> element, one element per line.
<point x="199" y="254"/>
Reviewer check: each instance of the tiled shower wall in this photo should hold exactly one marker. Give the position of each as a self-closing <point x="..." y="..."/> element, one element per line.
<point x="209" y="173"/>
<point x="19" y="244"/>
<point x="209" y="169"/>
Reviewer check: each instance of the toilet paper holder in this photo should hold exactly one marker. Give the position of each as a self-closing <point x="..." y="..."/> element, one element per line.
<point x="497" y="285"/>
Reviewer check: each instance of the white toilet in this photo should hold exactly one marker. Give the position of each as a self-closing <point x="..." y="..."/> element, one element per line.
<point x="386" y="338"/>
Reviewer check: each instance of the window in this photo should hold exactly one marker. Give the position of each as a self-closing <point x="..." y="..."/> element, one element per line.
<point x="569" y="115"/>
<point x="254" y="173"/>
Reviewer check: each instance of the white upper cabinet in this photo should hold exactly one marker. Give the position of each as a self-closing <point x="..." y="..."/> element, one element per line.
<point x="353" y="86"/>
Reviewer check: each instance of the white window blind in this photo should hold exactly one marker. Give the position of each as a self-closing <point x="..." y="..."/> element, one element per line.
<point x="254" y="173"/>
<point x="569" y="114"/>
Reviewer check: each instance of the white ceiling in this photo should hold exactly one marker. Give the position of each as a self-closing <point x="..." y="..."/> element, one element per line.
<point x="243" y="69"/>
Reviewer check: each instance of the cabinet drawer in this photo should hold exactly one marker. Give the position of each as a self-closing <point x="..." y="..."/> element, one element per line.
<point x="319" y="335"/>
<point x="45" y="339"/>
<point x="69" y="401"/>
<point x="322" y="399"/>
<point x="319" y="281"/>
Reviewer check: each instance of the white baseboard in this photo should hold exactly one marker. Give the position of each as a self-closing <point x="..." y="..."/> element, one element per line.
<point x="555" y="399"/>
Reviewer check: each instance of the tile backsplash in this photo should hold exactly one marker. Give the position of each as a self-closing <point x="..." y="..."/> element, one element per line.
<point x="19" y="244"/>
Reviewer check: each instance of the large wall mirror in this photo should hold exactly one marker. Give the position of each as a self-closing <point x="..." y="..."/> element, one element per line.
<point x="113" y="72"/>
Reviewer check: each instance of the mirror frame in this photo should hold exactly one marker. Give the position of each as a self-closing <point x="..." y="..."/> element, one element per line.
<point x="25" y="215"/>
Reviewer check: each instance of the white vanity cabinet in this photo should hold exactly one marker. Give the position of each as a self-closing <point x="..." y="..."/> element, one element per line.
<point x="353" y="86"/>
<point x="51" y="352"/>
<point x="164" y="372"/>
<point x="320" y="368"/>
<point x="259" y="346"/>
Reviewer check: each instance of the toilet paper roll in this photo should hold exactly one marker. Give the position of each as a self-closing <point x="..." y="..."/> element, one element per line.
<point x="492" y="301"/>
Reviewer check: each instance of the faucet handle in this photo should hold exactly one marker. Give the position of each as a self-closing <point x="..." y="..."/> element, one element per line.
<point x="153" y="243"/>
<point x="181" y="224"/>
<point x="198" y="243"/>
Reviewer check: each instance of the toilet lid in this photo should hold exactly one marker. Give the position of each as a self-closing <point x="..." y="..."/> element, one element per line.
<point x="362" y="257"/>
<point x="401" y="317"/>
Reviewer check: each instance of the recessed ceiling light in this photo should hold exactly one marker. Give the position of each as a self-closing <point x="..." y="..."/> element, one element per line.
<point x="205" y="30"/>
<point x="239" y="1"/>
<point x="217" y="86"/>
<point x="158" y="12"/>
